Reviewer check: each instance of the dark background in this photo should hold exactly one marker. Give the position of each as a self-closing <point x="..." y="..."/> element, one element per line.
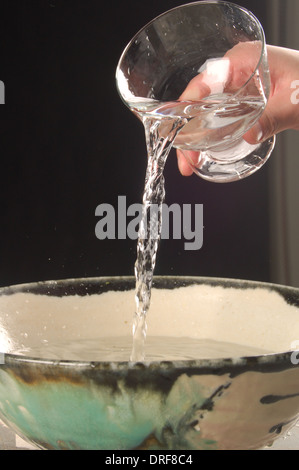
<point x="68" y="144"/>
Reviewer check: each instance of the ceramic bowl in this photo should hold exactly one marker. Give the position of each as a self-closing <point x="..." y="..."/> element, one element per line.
<point x="243" y="398"/>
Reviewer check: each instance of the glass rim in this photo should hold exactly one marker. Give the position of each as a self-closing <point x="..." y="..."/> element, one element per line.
<point x="198" y="3"/>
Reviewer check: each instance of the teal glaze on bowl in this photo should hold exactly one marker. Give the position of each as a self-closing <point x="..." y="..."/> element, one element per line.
<point x="239" y="403"/>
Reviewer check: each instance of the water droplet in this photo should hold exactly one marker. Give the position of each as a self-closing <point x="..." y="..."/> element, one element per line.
<point x="196" y="427"/>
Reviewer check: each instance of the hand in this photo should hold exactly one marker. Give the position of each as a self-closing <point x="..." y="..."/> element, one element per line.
<point x="281" y="113"/>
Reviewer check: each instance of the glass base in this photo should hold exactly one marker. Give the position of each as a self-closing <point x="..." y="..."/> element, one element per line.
<point x="210" y="167"/>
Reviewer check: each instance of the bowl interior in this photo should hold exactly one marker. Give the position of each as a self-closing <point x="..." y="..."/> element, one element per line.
<point x="189" y="318"/>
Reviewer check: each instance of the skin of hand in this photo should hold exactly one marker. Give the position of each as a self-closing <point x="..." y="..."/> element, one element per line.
<point x="281" y="112"/>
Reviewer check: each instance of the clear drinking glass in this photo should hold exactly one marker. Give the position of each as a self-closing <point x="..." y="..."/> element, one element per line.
<point x="202" y="65"/>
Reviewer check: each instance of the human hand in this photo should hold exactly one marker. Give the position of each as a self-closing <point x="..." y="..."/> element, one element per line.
<point x="282" y="110"/>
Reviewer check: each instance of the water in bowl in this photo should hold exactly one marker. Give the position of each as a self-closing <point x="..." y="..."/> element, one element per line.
<point x="157" y="348"/>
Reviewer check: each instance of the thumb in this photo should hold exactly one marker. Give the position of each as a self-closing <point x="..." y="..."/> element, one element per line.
<point x="278" y="116"/>
<point x="266" y="127"/>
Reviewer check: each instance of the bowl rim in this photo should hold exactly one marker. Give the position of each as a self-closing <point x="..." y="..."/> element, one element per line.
<point x="271" y="362"/>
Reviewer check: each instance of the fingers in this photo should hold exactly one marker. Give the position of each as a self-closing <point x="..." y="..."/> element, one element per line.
<point x="261" y="131"/>
<point x="185" y="160"/>
<point x="229" y="73"/>
<point x="274" y="120"/>
<point x="216" y="76"/>
<point x="183" y="165"/>
<point x="225" y="74"/>
<point x="196" y="90"/>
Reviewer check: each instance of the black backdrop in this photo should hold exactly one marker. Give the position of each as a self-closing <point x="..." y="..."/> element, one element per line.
<point x="67" y="144"/>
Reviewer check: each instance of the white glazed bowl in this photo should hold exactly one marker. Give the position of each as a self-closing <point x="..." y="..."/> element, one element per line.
<point x="244" y="401"/>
